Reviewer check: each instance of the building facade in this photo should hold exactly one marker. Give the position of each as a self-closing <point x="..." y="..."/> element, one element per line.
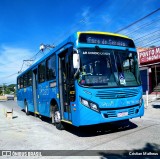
<point x="149" y="60"/>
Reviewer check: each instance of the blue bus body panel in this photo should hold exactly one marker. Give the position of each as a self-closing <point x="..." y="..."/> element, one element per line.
<point x="46" y="93"/>
<point x="43" y="97"/>
<point x="20" y="99"/>
<point x="25" y="93"/>
<point x="105" y="47"/>
<point x="109" y="108"/>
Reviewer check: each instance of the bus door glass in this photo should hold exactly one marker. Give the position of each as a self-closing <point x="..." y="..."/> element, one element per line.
<point x="35" y="80"/>
<point x="66" y="83"/>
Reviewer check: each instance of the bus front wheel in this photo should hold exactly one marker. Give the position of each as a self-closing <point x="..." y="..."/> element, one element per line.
<point x="56" y="118"/>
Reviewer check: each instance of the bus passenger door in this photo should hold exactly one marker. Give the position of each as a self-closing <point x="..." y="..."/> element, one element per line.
<point x="35" y="81"/>
<point x="65" y="82"/>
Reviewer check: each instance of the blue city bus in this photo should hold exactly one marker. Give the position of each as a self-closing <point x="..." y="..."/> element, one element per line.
<point x="90" y="78"/>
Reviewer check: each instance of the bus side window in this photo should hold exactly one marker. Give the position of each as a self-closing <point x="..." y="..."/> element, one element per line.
<point x="25" y="80"/>
<point x="41" y="72"/>
<point x="51" y="68"/>
<point x="29" y="78"/>
<point x="21" y="82"/>
<point x="18" y="81"/>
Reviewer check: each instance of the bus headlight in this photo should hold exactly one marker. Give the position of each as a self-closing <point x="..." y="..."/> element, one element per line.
<point x="94" y="106"/>
<point x="84" y="102"/>
<point x="89" y="104"/>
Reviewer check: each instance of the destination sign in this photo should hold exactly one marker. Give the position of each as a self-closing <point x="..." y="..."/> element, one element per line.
<point x="105" y="40"/>
<point x="96" y="79"/>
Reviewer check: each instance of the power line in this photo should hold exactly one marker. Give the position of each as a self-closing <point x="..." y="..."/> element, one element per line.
<point x="21" y="67"/>
<point x="146" y="41"/>
<point x="144" y="30"/>
<point x="10" y="75"/>
<point x="33" y="57"/>
<point x="24" y="62"/>
<point x="150" y="41"/>
<point x="146" y="25"/>
<point x="147" y="34"/>
<point x="149" y="37"/>
<point x="138" y="20"/>
<point x="153" y="42"/>
<point x="146" y="37"/>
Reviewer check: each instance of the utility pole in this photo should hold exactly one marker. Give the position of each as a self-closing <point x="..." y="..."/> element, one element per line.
<point x="3" y="88"/>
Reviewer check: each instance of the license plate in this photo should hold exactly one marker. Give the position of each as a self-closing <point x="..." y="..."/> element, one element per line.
<point x="122" y="114"/>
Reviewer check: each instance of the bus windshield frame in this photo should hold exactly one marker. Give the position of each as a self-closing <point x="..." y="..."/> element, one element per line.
<point x="108" y="68"/>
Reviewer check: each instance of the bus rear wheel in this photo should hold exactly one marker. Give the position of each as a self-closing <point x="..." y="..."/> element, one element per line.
<point x="26" y="108"/>
<point x="56" y="118"/>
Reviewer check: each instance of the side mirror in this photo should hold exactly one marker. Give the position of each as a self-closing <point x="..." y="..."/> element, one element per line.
<point x="76" y="61"/>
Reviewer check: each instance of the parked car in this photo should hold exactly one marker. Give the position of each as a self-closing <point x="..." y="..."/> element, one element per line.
<point x="9" y="96"/>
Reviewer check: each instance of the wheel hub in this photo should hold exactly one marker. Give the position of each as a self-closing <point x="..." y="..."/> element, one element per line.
<point x="57" y="117"/>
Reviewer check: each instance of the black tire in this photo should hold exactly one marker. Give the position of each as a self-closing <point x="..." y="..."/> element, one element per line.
<point x="55" y="116"/>
<point x="26" y="108"/>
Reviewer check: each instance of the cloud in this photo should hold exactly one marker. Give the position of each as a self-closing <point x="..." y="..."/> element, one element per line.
<point x="85" y="19"/>
<point x="11" y="62"/>
<point x="85" y="12"/>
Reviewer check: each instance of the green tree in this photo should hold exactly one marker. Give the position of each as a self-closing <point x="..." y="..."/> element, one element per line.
<point x="10" y="89"/>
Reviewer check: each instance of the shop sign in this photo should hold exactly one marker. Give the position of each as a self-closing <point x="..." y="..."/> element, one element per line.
<point x="149" y="56"/>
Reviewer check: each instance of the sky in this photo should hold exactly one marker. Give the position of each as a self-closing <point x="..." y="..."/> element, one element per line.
<point x="25" y="24"/>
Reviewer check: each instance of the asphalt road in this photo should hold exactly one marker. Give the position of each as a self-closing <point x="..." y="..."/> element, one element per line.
<point x="34" y="133"/>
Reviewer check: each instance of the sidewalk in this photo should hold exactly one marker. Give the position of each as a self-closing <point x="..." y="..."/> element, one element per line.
<point x="153" y="101"/>
<point x="152" y="110"/>
<point x="3" y="98"/>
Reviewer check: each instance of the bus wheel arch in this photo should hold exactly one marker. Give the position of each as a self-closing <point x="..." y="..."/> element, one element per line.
<point x="55" y="115"/>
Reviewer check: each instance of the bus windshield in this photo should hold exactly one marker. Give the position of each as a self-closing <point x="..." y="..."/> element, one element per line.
<point x="108" y="68"/>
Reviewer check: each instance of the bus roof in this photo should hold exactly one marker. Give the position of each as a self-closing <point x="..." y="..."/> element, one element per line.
<point x="103" y="33"/>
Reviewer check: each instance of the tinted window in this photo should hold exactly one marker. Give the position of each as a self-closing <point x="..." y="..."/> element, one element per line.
<point x="41" y="72"/>
<point x="29" y="81"/>
<point x="108" y="68"/>
<point x="21" y="82"/>
<point x="51" y="68"/>
<point x="25" y="80"/>
<point x="18" y="81"/>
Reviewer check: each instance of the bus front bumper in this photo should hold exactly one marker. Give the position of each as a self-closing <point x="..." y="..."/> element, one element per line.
<point x="91" y="117"/>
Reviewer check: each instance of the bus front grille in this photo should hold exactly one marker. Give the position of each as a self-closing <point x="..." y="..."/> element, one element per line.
<point x="116" y="94"/>
<point x="131" y="111"/>
<point x="113" y="113"/>
<point x="110" y="114"/>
